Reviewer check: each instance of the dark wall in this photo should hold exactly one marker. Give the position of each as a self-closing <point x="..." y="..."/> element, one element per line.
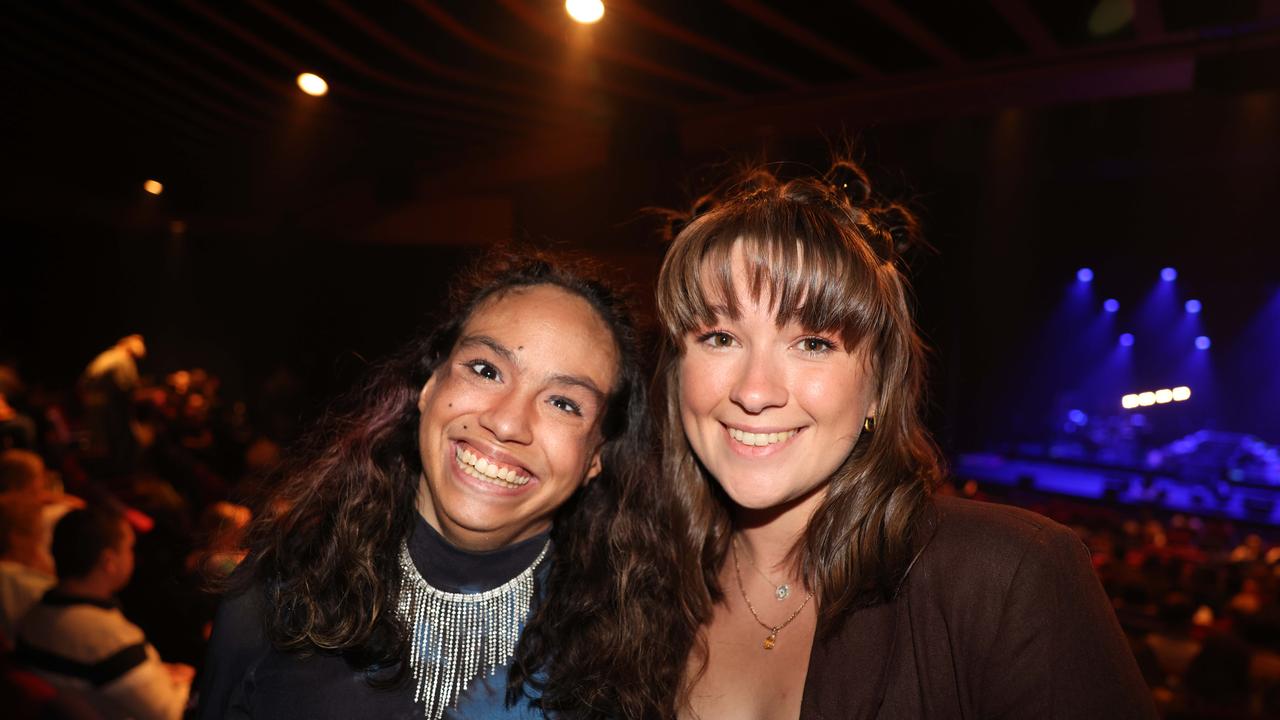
<point x="1013" y="202"/>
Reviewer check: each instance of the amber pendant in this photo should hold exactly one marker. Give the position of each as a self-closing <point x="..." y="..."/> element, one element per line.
<point x="770" y="641"/>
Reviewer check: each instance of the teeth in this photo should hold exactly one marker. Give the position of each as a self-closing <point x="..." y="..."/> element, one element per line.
<point x="484" y="469"/>
<point x="760" y="439"/>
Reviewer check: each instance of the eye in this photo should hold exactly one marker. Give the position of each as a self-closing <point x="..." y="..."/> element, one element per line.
<point x="716" y="339"/>
<point x="483" y="368"/>
<point x="564" y="404"/>
<point x="816" y="345"/>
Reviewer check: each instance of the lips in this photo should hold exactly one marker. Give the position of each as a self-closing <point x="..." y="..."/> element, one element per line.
<point x="489" y="469"/>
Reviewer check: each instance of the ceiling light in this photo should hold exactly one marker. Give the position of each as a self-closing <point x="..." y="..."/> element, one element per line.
<point x="155" y="187"/>
<point x="312" y="84"/>
<point x="585" y="11"/>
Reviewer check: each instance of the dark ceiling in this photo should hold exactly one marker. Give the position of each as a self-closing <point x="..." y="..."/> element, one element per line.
<point x="201" y="94"/>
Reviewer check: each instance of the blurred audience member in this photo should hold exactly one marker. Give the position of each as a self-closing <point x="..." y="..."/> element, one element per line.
<point x="16" y="429"/>
<point x="26" y="567"/>
<point x="108" y="384"/>
<point x="221" y="535"/>
<point x="77" y="638"/>
<point x="22" y="471"/>
<point x="1175" y="646"/>
<point x="1218" y="678"/>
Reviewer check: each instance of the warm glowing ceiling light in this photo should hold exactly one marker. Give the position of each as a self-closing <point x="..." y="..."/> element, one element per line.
<point x="155" y="187"/>
<point x="1146" y="399"/>
<point x="1181" y="393"/>
<point x="312" y="84"/>
<point x="1164" y="396"/>
<point x="584" y="11"/>
<point x="1130" y="401"/>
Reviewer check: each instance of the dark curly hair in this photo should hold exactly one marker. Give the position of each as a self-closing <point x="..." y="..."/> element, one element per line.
<point x="325" y="546"/>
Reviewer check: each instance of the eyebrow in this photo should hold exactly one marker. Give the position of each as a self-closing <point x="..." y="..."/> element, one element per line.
<point x="581" y="382"/>
<point x="502" y="350"/>
<point x="506" y="354"/>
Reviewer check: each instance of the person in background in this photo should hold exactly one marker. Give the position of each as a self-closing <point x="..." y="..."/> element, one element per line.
<point x="108" y="384"/>
<point x="23" y="474"/>
<point x="26" y="567"/>
<point x="76" y="637"/>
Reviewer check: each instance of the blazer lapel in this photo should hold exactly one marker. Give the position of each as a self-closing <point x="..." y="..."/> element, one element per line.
<point x="849" y="667"/>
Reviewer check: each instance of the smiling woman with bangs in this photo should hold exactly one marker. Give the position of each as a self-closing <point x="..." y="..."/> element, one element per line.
<point x="833" y="583"/>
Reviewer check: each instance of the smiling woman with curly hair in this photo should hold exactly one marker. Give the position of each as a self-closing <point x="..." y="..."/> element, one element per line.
<point x="476" y="533"/>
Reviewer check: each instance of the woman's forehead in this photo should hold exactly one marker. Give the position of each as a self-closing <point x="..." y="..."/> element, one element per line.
<point x="545" y="326"/>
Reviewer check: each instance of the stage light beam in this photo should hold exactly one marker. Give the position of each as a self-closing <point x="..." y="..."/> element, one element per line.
<point x="155" y="187"/>
<point x="1168" y="274"/>
<point x="1126" y="340"/>
<point x="1193" y="306"/>
<point x="1111" y="305"/>
<point x="312" y="84"/>
<point x="1203" y="342"/>
<point x="1084" y="275"/>
<point x="585" y="11"/>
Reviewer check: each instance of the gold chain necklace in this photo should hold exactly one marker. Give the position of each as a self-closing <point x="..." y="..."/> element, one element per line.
<point x="772" y="639"/>
<point x="781" y="592"/>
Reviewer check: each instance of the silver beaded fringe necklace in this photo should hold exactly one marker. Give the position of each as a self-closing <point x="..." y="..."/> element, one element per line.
<point x="456" y="637"/>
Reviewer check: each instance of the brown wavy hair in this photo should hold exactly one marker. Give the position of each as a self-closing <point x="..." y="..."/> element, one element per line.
<point x="826" y="251"/>
<point x="324" y="549"/>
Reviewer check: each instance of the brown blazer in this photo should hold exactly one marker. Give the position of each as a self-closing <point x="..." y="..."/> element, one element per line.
<point x="1001" y="616"/>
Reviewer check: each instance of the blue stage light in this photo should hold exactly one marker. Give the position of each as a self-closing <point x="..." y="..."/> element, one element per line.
<point x="1111" y="305"/>
<point x="1193" y="306"/>
<point x="1084" y="275"/>
<point x="1168" y="274"/>
<point x="1203" y="343"/>
<point x="1078" y="417"/>
<point x="1126" y="339"/>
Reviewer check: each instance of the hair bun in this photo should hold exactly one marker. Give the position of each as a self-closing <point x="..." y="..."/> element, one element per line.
<point x="901" y="225"/>
<point x="850" y="182"/>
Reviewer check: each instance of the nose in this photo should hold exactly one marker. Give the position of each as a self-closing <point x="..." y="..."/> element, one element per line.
<point x="759" y="385"/>
<point x="509" y="418"/>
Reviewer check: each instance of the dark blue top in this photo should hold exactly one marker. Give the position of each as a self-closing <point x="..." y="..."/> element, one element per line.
<point x="245" y="677"/>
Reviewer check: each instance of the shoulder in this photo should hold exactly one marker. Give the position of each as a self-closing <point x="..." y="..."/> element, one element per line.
<point x="239" y="627"/>
<point x="988" y="544"/>
<point x="81" y="631"/>
<point x="990" y="528"/>
<point x="238" y="644"/>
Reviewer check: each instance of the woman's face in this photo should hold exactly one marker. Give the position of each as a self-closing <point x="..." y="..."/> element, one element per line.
<point x="771" y="411"/>
<point x="511" y="419"/>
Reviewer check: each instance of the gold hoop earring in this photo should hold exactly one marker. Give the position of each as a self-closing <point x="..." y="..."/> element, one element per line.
<point x="869" y="425"/>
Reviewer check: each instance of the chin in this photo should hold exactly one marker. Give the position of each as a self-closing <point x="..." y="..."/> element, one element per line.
<point x="754" y="495"/>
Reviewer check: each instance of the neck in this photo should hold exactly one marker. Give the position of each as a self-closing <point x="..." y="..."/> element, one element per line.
<point x="89" y="587"/>
<point x="465" y="538"/>
<point x="769" y="535"/>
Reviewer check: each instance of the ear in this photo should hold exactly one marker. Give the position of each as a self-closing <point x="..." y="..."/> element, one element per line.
<point x="108" y="560"/>
<point x="426" y="391"/>
<point x="596" y="465"/>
